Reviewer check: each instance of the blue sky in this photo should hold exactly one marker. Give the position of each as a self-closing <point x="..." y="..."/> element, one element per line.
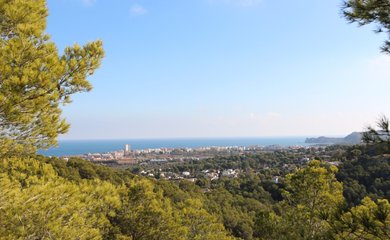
<point x="222" y="68"/>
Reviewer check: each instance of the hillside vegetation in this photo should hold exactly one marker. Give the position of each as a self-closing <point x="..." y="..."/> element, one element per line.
<point x="49" y="198"/>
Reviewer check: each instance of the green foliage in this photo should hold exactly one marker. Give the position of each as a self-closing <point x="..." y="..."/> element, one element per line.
<point x="314" y="186"/>
<point x="147" y="215"/>
<point x="201" y="224"/>
<point x="313" y="196"/>
<point x="237" y="213"/>
<point x="76" y="169"/>
<point x="249" y="186"/>
<point x="48" y="198"/>
<point x="45" y="198"/>
<point x="370" y="11"/>
<point x="34" y="79"/>
<point x="365" y="176"/>
<point x="379" y="138"/>
<point x="370" y="220"/>
<point x="37" y="204"/>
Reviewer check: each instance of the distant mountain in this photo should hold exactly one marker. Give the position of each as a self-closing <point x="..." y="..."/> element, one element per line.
<point x="353" y="138"/>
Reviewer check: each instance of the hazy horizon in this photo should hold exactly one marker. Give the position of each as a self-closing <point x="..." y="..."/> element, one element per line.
<point x="196" y="138"/>
<point x="222" y="68"/>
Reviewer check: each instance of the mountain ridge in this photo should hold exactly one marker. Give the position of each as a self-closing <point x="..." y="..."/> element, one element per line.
<point x="353" y="138"/>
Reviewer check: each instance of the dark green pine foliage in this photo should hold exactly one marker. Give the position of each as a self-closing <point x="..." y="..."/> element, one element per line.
<point x="366" y="12"/>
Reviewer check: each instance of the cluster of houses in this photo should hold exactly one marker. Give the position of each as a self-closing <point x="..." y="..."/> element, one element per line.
<point x="208" y="173"/>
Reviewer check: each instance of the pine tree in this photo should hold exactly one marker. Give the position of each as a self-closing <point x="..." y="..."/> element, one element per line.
<point x="312" y="197"/>
<point x="366" y="12"/>
<point x="34" y="79"/>
<point x="369" y="220"/>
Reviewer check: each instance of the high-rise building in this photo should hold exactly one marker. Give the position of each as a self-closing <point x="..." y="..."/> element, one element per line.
<point x="127" y="149"/>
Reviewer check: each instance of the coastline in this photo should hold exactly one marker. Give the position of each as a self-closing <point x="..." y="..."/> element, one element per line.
<point x="79" y="147"/>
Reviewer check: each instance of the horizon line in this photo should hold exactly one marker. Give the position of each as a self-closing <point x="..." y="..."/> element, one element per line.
<point x="187" y="138"/>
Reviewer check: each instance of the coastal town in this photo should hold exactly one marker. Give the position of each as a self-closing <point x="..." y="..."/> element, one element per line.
<point x="128" y="156"/>
<point x="167" y="163"/>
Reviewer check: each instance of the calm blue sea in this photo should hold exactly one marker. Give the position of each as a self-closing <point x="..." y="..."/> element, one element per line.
<point x="76" y="147"/>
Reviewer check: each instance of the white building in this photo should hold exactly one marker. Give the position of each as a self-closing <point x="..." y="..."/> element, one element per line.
<point x="127" y="149"/>
<point x="229" y="173"/>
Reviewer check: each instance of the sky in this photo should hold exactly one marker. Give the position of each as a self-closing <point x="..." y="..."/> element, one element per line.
<point x="222" y="68"/>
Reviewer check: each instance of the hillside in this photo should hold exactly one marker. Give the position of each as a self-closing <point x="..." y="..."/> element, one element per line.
<point x="48" y="197"/>
<point x="353" y="138"/>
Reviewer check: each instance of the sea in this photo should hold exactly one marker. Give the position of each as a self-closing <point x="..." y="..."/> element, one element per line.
<point x="78" y="147"/>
